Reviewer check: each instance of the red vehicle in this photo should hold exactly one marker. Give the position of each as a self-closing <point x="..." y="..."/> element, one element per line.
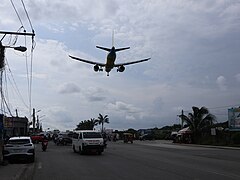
<point x="37" y="138"/>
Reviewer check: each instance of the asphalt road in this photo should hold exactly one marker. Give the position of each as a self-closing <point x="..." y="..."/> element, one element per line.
<point x="138" y="161"/>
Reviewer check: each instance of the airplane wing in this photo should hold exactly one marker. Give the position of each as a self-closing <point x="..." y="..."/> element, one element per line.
<point x="87" y="61"/>
<point x="132" y="62"/>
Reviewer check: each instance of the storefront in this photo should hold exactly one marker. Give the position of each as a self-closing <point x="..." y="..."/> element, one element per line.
<point x="15" y="126"/>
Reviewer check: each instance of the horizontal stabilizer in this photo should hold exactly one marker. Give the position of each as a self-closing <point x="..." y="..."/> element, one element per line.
<point x="120" y="49"/>
<point x="103" y="48"/>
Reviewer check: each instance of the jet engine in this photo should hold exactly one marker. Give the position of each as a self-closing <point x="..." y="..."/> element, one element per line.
<point x="96" y="68"/>
<point x="121" y="69"/>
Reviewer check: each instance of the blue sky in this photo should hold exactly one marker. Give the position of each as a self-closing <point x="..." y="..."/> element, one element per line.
<point x="193" y="45"/>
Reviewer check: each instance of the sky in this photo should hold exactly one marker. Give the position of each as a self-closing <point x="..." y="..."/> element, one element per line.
<point x="194" y="48"/>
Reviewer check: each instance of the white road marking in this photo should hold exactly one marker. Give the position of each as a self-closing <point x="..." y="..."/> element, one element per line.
<point x="39" y="165"/>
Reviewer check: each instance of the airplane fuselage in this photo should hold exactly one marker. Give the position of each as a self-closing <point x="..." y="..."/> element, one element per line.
<point x="111" y="57"/>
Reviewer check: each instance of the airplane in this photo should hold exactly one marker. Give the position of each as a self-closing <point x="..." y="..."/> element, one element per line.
<point x="110" y="62"/>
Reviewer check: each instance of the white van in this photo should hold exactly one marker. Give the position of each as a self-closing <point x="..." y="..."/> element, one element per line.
<point x="87" y="140"/>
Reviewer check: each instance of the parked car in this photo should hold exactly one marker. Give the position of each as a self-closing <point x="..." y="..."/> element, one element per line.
<point x="19" y="148"/>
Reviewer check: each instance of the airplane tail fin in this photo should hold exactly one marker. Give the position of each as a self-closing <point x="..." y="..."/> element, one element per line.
<point x="108" y="49"/>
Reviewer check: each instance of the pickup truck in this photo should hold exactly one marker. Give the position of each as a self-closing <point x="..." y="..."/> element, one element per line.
<point x="37" y="138"/>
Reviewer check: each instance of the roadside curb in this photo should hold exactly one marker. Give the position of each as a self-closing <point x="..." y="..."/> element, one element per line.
<point x="158" y="143"/>
<point x="210" y="146"/>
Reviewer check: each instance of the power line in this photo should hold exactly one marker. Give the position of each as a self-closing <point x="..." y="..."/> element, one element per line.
<point x="2" y="96"/>
<point x="17" y="13"/>
<point x="29" y="76"/>
<point x="14" y="85"/>
<point x="27" y="15"/>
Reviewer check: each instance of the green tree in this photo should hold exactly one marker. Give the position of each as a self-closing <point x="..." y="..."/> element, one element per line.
<point x="87" y="124"/>
<point x="198" y="120"/>
<point x="102" y="119"/>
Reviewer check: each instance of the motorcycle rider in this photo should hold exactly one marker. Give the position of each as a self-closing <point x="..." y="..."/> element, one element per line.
<point x="44" y="144"/>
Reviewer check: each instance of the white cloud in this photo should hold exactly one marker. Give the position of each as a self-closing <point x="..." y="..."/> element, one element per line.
<point x="69" y="88"/>
<point x="221" y="82"/>
<point x="122" y="107"/>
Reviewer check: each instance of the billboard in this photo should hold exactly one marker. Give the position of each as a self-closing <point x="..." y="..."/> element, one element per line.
<point x="234" y="119"/>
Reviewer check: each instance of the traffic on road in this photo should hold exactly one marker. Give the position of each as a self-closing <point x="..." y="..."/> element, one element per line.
<point x="138" y="160"/>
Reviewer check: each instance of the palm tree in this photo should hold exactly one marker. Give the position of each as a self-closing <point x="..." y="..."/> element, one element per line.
<point x="93" y="122"/>
<point x="87" y="124"/>
<point x="198" y="120"/>
<point x="102" y="119"/>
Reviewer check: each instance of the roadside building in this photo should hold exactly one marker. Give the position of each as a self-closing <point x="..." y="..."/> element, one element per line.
<point x="184" y="135"/>
<point x="15" y="126"/>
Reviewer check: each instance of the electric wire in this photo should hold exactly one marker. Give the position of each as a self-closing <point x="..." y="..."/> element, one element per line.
<point x="3" y="37"/>
<point x="5" y="92"/>
<point x="16" y="12"/>
<point x="4" y="102"/>
<point x="16" y="37"/>
<point x="14" y="85"/>
<point x="6" y="89"/>
<point x="30" y="76"/>
<point x="29" y="81"/>
<point x="27" y="15"/>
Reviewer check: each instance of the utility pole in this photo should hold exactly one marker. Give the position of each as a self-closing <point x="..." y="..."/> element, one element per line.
<point x="181" y="116"/>
<point x="34" y="120"/>
<point x="37" y="123"/>
<point x="2" y="55"/>
<point x="19" y="48"/>
<point x="16" y="113"/>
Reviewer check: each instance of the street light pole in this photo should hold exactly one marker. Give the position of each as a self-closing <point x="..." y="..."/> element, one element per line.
<point x="34" y="120"/>
<point x="2" y="52"/>
<point x="2" y="55"/>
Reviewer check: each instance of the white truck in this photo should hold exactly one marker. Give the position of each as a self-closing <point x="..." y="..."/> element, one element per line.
<point x="87" y="141"/>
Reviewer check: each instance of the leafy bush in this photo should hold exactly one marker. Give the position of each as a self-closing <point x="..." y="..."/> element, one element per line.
<point x="236" y="138"/>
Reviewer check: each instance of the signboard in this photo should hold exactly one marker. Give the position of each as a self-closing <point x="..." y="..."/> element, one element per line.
<point x="234" y="119"/>
<point x="8" y="122"/>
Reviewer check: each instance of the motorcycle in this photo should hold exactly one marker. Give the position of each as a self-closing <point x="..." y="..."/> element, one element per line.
<point x="44" y="145"/>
